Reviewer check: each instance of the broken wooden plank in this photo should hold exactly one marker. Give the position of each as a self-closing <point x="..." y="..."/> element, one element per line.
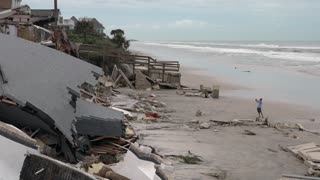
<point x="117" y="80"/>
<point x="296" y="149"/>
<point x="115" y="73"/>
<point x="312" y="154"/>
<point x="313" y="165"/>
<point x="126" y="79"/>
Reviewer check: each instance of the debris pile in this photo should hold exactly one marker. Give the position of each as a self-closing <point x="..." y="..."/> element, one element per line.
<point x="204" y="92"/>
<point x="69" y="117"/>
<point x="310" y="154"/>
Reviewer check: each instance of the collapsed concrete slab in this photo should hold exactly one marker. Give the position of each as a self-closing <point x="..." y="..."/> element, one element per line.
<point x="39" y="93"/>
<point x="39" y="167"/>
<point x="12" y="158"/>
<point x="21" y="162"/>
<point x="88" y="123"/>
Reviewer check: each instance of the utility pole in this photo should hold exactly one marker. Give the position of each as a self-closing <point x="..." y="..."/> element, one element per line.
<point x="56" y="13"/>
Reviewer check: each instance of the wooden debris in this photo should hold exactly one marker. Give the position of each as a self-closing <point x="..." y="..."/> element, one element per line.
<point x="107" y="172"/>
<point x="199" y="113"/>
<point x="313" y="172"/>
<point x="126" y="79"/>
<point x="115" y="73"/>
<point x="221" y="174"/>
<point x="313" y="165"/>
<point x="249" y="133"/>
<point x="310" y="153"/>
<point x="283" y="148"/>
<point x="296" y="149"/>
<point x="162" y="173"/>
<point x="272" y="150"/>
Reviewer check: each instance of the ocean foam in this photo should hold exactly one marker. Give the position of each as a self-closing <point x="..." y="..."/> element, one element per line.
<point x="283" y="55"/>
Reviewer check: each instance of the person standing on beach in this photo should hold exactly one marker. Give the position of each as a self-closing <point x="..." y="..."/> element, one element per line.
<point x="259" y="107"/>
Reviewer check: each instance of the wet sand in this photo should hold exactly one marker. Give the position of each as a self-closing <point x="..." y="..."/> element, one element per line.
<point x="243" y="157"/>
<point x="227" y="148"/>
<point x="193" y="77"/>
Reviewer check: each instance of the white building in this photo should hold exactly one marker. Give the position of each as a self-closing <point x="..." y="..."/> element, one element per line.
<point x="69" y="24"/>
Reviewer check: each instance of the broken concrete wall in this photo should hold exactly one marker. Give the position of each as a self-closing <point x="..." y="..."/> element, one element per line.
<point x="169" y="77"/>
<point x="45" y="85"/>
<point x="141" y="81"/>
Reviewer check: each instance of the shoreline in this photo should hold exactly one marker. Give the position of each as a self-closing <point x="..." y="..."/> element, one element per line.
<point x="227" y="148"/>
<point x="249" y="77"/>
<point x="193" y="77"/>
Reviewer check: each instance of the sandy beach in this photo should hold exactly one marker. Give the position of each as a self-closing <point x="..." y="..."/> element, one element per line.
<point x="227" y="149"/>
<point x="245" y="158"/>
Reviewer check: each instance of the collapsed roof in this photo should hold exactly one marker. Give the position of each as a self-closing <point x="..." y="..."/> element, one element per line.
<point x="44" y="83"/>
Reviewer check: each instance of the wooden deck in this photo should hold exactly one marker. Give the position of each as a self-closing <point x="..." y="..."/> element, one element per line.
<point x="138" y="62"/>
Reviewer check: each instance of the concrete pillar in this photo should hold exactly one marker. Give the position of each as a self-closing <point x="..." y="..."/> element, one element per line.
<point x="215" y="92"/>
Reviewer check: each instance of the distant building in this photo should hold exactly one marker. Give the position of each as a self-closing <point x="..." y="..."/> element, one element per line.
<point x="9" y="4"/>
<point x="98" y="27"/>
<point x="44" y="16"/>
<point x="68" y="24"/>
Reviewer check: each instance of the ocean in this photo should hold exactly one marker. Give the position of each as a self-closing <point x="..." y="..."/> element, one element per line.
<point x="277" y="71"/>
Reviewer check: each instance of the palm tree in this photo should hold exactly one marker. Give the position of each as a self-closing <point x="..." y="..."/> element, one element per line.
<point x="119" y="39"/>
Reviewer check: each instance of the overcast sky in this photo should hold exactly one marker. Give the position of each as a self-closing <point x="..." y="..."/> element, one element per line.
<point x="200" y="19"/>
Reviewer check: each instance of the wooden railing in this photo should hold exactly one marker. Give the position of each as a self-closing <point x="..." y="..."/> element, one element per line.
<point x="138" y="61"/>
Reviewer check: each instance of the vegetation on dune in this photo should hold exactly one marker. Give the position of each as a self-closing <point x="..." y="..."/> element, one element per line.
<point x="119" y="39"/>
<point x="84" y="33"/>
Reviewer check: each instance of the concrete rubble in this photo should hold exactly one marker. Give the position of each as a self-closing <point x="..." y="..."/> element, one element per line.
<point x="55" y="105"/>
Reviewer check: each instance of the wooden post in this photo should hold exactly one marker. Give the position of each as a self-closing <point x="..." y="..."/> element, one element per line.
<point x="56" y="13"/>
<point x="163" y="71"/>
<point x="215" y="92"/>
<point x="134" y="68"/>
<point x="149" y="66"/>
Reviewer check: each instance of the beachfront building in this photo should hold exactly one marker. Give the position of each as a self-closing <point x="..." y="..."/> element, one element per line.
<point x="98" y="27"/>
<point x="67" y="24"/>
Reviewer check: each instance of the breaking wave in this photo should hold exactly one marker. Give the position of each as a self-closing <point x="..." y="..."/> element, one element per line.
<point x="310" y="54"/>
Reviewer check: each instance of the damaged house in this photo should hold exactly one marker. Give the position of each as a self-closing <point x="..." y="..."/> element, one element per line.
<point x="40" y="95"/>
<point x="21" y="21"/>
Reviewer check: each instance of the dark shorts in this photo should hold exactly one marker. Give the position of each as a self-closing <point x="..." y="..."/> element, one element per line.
<point x="259" y="110"/>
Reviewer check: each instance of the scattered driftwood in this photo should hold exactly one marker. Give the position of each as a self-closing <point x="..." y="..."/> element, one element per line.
<point x="147" y="156"/>
<point x="162" y="173"/>
<point x="221" y="174"/>
<point x="107" y="172"/>
<point x="272" y="150"/>
<point x="188" y="159"/>
<point x="283" y="148"/>
<point x="249" y="133"/>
